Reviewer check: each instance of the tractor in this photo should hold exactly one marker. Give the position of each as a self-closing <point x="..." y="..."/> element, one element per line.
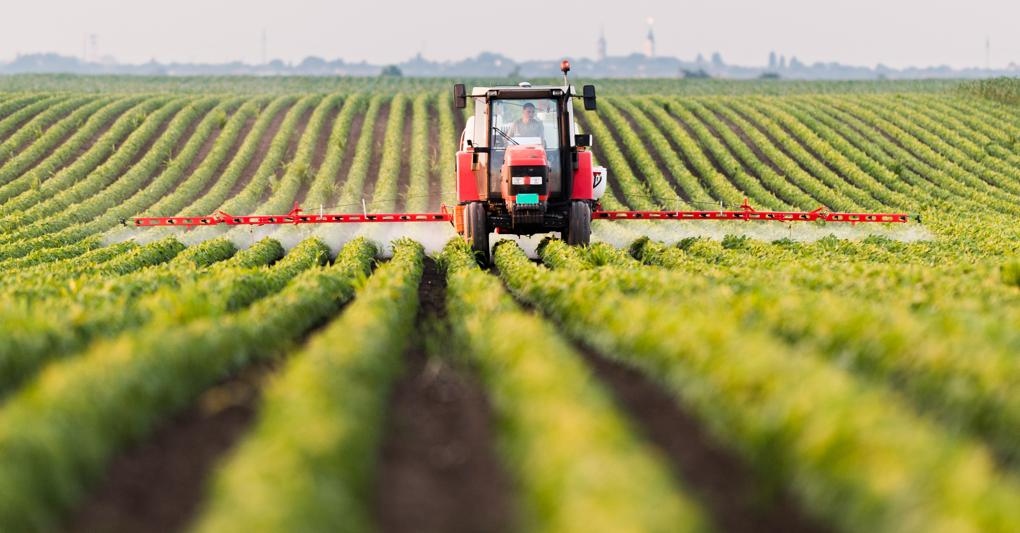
<point x="522" y="167"/>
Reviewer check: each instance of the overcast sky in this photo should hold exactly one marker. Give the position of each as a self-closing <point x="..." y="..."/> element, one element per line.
<point x="898" y="33"/>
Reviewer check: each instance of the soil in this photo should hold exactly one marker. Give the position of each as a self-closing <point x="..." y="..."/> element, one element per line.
<point x="65" y="137"/>
<point x="234" y="149"/>
<point x="203" y="151"/>
<point x="438" y="470"/>
<point x="158" y="485"/>
<point x="260" y="153"/>
<point x="91" y="141"/>
<point x="742" y="135"/>
<point x="160" y="131"/>
<point x="319" y="154"/>
<point x="292" y="146"/>
<point x="375" y="162"/>
<point x="724" y="484"/>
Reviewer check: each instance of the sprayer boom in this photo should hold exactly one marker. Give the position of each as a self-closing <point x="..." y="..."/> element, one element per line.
<point x="296" y="216"/>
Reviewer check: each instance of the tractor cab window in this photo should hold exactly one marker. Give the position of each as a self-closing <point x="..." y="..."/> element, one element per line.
<point x="525" y="122"/>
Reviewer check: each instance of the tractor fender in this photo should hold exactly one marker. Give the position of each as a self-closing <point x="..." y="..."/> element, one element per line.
<point x="467" y="181"/>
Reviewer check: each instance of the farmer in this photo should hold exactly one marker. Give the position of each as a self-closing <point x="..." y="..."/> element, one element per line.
<point x="527" y="125"/>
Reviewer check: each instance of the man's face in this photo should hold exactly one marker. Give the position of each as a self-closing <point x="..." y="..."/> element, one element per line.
<point x="529" y="114"/>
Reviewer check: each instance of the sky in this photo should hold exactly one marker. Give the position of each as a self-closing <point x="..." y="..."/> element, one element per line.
<point x="896" y="33"/>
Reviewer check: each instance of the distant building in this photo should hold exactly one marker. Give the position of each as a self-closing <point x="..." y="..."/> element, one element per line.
<point x="650" y="40"/>
<point x="600" y="52"/>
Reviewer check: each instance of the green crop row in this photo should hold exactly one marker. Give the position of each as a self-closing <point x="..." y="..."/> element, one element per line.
<point x="578" y="466"/>
<point x="852" y="453"/>
<point x="308" y="463"/>
<point x="58" y="433"/>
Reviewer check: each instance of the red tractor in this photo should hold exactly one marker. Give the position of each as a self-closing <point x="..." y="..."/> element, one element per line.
<point x="522" y="168"/>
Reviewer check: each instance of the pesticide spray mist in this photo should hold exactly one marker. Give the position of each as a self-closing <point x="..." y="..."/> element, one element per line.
<point x="433" y="236"/>
<point x="621" y="234"/>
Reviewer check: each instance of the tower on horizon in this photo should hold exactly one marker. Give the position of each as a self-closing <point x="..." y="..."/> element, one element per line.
<point x="600" y="52"/>
<point x="650" y="39"/>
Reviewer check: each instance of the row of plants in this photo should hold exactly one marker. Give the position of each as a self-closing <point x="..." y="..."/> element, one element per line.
<point x="383" y="198"/>
<point x="416" y="197"/>
<point x="70" y="173"/>
<point x="652" y="133"/>
<point x="937" y="168"/>
<point x="351" y="191"/>
<point x="797" y="188"/>
<point x="640" y="160"/>
<point x="851" y="452"/>
<point x="70" y="116"/>
<point x="576" y="461"/>
<point x="765" y="191"/>
<point x="9" y="124"/>
<point x="1001" y="175"/>
<point x="201" y="173"/>
<point x="53" y="152"/>
<point x="787" y="150"/>
<point x="841" y="147"/>
<point x="298" y="172"/>
<point x="146" y="182"/>
<point x="244" y="158"/>
<point x="59" y="432"/>
<point x="924" y="349"/>
<point x="325" y="184"/>
<point x="308" y="463"/>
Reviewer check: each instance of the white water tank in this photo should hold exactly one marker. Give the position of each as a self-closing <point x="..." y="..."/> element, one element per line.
<point x="600" y="177"/>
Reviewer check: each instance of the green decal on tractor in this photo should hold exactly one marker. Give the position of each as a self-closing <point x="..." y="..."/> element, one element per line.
<point x="527" y="199"/>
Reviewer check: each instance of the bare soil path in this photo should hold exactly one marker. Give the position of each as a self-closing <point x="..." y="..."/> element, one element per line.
<point x="438" y="470"/>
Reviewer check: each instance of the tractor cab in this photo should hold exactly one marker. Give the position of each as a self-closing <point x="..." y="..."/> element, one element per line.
<point x="522" y="167"/>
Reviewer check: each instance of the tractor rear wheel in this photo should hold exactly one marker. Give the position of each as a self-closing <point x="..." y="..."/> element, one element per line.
<point x="478" y="231"/>
<point x="579" y="224"/>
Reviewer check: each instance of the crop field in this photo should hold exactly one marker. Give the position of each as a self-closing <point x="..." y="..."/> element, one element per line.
<point x="672" y="376"/>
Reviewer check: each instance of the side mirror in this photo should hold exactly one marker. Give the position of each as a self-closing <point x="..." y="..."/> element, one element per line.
<point x="460" y="96"/>
<point x="588" y="91"/>
<point x="582" y="140"/>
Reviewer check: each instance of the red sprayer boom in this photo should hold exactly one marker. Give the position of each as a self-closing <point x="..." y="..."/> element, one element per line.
<point x="296" y="216"/>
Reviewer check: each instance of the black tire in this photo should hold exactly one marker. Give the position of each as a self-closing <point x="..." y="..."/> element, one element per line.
<point x="579" y="224"/>
<point x="479" y="232"/>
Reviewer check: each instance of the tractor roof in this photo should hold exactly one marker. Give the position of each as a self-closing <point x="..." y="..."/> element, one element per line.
<point x="515" y="91"/>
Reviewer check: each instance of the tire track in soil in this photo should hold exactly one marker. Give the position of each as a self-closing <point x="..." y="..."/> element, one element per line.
<point x="158" y="486"/>
<point x="438" y="468"/>
<point x="721" y="481"/>
<point x="260" y="153"/>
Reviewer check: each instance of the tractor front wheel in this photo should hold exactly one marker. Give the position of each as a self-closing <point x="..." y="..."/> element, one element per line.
<point x="579" y="224"/>
<point x="478" y="231"/>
